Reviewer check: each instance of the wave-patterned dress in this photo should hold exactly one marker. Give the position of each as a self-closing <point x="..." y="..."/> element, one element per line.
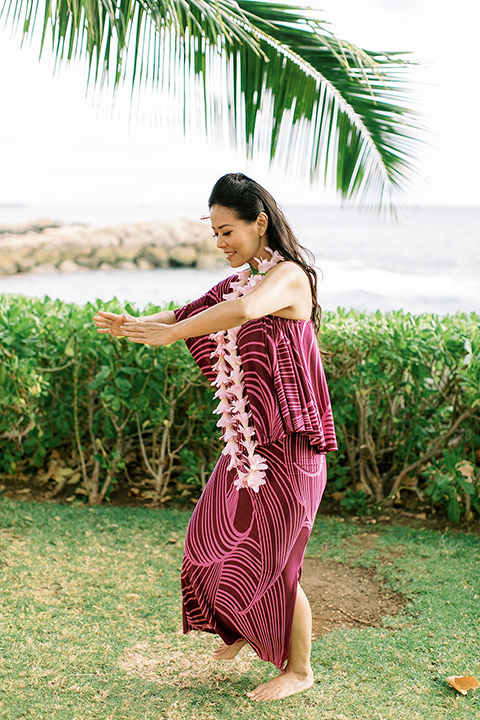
<point x="244" y="549"/>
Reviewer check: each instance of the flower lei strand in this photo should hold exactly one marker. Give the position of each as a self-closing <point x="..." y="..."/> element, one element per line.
<point x="237" y="432"/>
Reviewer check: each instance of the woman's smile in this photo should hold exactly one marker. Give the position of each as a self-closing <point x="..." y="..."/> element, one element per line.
<point x="240" y="241"/>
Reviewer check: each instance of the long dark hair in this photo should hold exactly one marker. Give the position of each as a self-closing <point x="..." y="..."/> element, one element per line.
<point x="248" y="199"/>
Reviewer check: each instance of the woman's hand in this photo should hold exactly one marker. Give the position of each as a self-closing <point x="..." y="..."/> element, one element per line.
<point x="149" y="333"/>
<point x="110" y="323"/>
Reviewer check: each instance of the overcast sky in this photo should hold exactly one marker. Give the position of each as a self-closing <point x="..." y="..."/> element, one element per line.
<point x="58" y="146"/>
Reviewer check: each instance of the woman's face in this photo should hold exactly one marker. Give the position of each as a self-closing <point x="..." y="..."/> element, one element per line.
<point x="241" y="241"/>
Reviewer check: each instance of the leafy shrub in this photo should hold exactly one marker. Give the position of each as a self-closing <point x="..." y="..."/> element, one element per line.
<point x="403" y="389"/>
<point x="88" y="413"/>
<point x="451" y="482"/>
<point x="102" y="404"/>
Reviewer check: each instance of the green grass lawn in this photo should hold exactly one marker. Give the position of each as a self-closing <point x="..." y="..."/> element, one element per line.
<point x="90" y="624"/>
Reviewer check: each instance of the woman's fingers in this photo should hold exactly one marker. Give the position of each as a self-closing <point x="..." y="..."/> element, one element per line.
<point x="108" y="323"/>
<point x="128" y="327"/>
<point x="110" y="318"/>
<point x="102" y="322"/>
<point x="109" y="315"/>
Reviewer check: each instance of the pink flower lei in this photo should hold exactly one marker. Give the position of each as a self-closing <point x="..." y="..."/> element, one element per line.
<point x="235" y="416"/>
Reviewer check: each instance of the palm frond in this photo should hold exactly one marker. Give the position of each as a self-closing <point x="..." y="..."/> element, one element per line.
<point x="271" y="72"/>
<point x="364" y="133"/>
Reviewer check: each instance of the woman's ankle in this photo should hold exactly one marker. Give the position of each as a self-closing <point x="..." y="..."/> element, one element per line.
<point x="303" y="672"/>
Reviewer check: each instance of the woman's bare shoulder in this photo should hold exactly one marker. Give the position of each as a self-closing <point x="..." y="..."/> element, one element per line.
<point x="293" y="272"/>
<point x="288" y="267"/>
<point x="296" y="287"/>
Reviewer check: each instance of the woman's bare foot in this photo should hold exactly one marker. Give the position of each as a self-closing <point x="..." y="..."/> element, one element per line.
<point x="228" y="652"/>
<point x="282" y="686"/>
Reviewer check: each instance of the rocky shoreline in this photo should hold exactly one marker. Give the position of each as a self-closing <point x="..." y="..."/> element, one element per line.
<point x="45" y="246"/>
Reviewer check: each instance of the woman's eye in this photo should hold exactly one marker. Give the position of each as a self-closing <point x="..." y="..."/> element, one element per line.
<point x="226" y="234"/>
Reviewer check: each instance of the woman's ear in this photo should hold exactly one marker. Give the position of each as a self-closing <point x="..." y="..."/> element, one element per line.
<point x="262" y="223"/>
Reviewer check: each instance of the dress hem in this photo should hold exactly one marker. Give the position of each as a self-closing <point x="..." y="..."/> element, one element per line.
<point x="223" y="637"/>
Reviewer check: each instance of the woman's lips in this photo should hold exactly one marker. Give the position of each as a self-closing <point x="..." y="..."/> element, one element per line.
<point x="229" y="255"/>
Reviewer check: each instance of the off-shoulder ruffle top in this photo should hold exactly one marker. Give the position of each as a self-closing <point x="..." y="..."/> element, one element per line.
<point x="283" y="373"/>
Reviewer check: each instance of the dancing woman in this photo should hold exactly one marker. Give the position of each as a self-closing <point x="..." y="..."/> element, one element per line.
<point x="253" y="336"/>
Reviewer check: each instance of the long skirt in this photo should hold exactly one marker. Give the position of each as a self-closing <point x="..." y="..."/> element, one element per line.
<point x="244" y="550"/>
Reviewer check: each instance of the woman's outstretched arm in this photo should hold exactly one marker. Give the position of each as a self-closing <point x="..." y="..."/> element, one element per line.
<point x="110" y="323"/>
<point x="167" y="317"/>
<point x="284" y="289"/>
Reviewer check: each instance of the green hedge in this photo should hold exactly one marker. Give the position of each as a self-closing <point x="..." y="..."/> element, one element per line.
<point x="90" y="414"/>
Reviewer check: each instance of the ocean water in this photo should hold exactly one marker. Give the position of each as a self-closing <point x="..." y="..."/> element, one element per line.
<point x="427" y="261"/>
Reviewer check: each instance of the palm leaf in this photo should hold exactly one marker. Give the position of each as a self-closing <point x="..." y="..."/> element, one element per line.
<point x="272" y="75"/>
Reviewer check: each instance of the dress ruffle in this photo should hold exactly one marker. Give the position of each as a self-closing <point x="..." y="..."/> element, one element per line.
<point x="283" y="373"/>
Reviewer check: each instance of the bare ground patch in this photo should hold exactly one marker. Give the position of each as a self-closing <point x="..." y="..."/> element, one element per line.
<point x="343" y="597"/>
<point x="164" y="663"/>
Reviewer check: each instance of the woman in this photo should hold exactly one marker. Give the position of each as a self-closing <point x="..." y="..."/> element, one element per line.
<point x="253" y="337"/>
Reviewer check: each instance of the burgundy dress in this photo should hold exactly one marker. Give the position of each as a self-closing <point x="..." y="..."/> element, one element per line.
<point x="244" y="549"/>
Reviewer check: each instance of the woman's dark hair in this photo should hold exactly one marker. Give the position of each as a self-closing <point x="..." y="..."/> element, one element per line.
<point x="248" y="199"/>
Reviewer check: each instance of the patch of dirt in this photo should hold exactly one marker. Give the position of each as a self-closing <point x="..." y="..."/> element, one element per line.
<point x="361" y="543"/>
<point x="344" y="597"/>
<point x="163" y="663"/>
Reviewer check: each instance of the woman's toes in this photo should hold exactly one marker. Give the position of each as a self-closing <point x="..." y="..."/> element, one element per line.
<point x="255" y="694"/>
